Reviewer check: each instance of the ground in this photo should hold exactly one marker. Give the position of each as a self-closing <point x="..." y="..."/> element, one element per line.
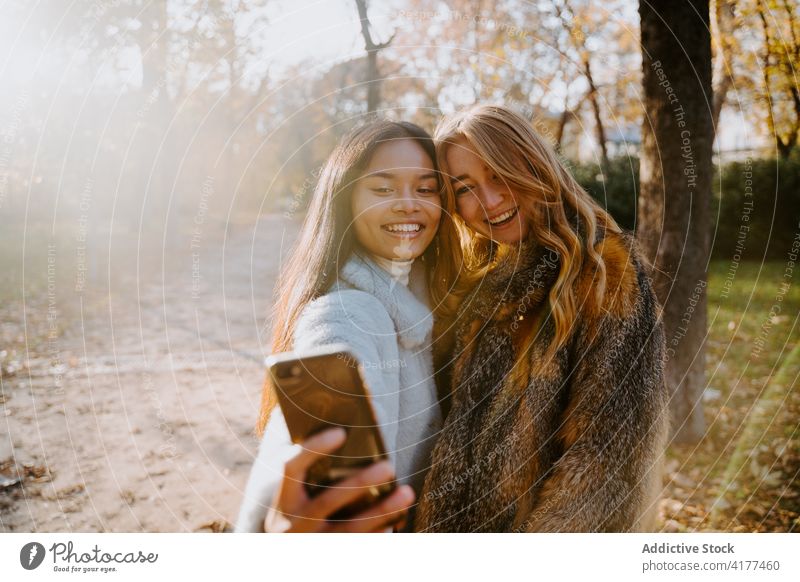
<point x="129" y="398"/>
<point x="130" y="406"/>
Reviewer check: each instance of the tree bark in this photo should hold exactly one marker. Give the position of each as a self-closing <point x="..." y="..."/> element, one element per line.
<point x="600" y="128"/>
<point x="373" y="77"/>
<point x="564" y="118"/>
<point x="675" y="194"/>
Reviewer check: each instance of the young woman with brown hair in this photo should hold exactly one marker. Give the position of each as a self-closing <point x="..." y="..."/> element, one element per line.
<point x="551" y="348"/>
<point x="372" y="258"/>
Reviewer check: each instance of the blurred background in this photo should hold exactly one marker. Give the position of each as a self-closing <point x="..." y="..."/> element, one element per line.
<point x="156" y="158"/>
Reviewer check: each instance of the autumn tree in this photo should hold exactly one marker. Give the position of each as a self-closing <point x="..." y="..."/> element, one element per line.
<point x="779" y="59"/>
<point x="575" y="26"/>
<point x="756" y="54"/>
<point x="675" y="173"/>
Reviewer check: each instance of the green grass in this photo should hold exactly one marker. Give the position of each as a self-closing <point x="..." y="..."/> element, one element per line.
<point x="751" y="449"/>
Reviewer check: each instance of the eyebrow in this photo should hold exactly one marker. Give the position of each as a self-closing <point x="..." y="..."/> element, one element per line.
<point x="460" y="178"/>
<point x="390" y="176"/>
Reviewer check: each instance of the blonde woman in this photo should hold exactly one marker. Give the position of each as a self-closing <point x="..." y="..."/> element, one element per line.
<point x="551" y="350"/>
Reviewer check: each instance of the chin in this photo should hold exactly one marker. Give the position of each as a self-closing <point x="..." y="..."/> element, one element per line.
<point x="512" y="238"/>
<point x="507" y="239"/>
<point x="515" y="240"/>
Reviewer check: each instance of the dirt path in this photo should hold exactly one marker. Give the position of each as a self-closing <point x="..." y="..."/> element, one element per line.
<point x="137" y="414"/>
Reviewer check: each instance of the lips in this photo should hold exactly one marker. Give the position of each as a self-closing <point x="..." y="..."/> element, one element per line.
<point x="502" y="218"/>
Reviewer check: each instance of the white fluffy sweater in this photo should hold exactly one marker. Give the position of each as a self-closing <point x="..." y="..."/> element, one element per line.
<point x="388" y="327"/>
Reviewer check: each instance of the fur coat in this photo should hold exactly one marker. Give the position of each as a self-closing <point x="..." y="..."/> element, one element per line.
<point x="569" y="445"/>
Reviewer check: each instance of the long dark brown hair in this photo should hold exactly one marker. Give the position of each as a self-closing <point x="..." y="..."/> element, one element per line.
<point x="327" y="239"/>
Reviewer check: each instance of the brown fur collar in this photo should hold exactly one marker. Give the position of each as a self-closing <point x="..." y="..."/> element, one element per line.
<point x="524" y="272"/>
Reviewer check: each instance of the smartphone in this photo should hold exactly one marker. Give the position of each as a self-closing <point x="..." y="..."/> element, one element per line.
<point x="324" y="388"/>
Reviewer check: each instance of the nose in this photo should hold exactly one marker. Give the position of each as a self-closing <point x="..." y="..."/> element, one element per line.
<point x="406" y="201"/>
<point x="492" y="197"/>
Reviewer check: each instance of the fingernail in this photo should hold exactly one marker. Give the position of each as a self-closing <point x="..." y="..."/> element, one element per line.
<point x="408" y="493"/>
<point x="403" y="498"/>
<point x="336" y="433"/>
<point x="382" y="468"/>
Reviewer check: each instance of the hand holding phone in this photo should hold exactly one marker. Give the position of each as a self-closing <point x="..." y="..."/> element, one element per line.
<point x="294" y="510"/>
<point x="341" y="481"/>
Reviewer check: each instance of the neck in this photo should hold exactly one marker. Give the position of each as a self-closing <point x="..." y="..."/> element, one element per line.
<point x="399" y="269"/>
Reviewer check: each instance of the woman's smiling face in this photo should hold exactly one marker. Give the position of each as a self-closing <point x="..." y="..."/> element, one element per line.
<point x="486" y="203"/>
<point x="396" y="203"/>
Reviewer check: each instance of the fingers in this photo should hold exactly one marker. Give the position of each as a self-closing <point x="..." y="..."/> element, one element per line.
<point x="380" y="516"/>
<point x="289" y="508"/>
<point x="311" y="514"/>
<point x="323" y="443"/>
<point x="349" y="490"/>
<point x="400" y="525"/>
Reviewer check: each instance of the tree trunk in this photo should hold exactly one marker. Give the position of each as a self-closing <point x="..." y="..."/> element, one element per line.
<point x="153" y="146"/>
<point x="373" y="82"/>
<point x="578" y="38"/>
<point x="675" y="174"/>
<point x="725" y="16"/>
<point x="373" y="77"/>
<point x="562" y="126"/>
<point x="600" y="128"/>
<point x="564" y="118"/>
<point x="476" y="30"/>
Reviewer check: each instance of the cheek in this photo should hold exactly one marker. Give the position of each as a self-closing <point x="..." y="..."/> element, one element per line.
<point x="435" y="212"/>
<point x="364" y="211"/>
<point x="355" y="204"/>
<point x="366" y="226"/>
<point x="461" y="208"/>
<point x="467" y="208"/>
<point x="361" y="219"/>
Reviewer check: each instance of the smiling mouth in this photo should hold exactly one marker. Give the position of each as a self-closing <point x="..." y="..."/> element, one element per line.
<point x="503" y="219"/>
<point x="405" y="229"/>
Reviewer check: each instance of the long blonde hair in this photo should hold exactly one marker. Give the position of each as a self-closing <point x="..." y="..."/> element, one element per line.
<point x="562" y="216"/>
<point x="327" y="238"/>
